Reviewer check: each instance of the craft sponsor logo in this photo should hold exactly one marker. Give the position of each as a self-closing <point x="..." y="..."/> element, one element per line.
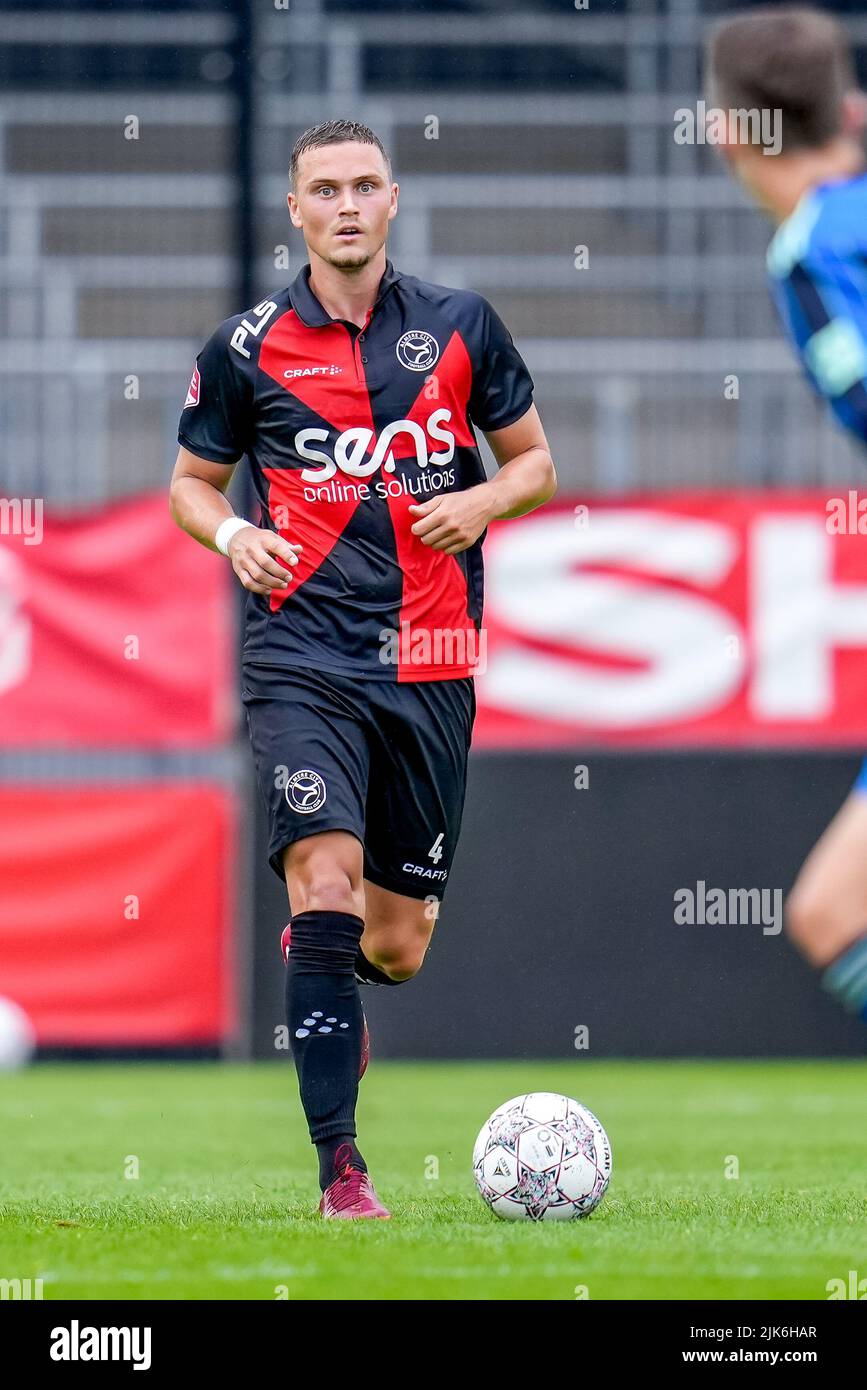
<point x="331" y="370"/>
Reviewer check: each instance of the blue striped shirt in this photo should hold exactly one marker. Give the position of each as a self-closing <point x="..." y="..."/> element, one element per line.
<point x="817" y="264"/>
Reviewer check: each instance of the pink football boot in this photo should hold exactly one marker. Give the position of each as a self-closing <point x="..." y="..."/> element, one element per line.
<point x="351" y="1195"/>
<point x="285" y="940"/>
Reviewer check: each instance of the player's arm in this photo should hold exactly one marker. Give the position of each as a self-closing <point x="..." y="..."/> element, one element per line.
<point x="198" y="503"/>
<point x="824" y="312"/>
<point x="525" y="479"/>
<point x="214" y="433"/>
<point x="526" y="476"/>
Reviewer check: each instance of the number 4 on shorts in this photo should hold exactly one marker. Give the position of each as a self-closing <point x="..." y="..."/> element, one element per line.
<point x="435" y="852"/>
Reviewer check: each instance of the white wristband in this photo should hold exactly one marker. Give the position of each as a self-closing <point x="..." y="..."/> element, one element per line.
<point x="227" y="529"/>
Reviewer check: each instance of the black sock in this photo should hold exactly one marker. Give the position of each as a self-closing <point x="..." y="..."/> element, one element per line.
<point x="371" y="974"/>
<point x="328" y="1150"/>
<point x="324" y="1016"/>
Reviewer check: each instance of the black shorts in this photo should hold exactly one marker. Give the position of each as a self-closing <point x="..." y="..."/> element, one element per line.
<point x="385" y="761"/>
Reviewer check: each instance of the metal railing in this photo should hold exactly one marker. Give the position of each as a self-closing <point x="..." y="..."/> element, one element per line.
<point x="630" y="366"/>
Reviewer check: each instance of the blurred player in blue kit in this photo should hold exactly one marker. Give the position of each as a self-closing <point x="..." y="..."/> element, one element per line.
<point x="795" y="62"/>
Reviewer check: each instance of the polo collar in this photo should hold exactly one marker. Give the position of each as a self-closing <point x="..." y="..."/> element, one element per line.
<point x="311" y="312"/>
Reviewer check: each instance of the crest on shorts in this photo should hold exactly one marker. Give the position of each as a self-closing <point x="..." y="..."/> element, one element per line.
<point x="305" y="791"/>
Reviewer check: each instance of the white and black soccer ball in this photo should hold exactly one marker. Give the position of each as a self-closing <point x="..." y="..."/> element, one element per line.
<point x="542" y="1157"/>
<point x="17" y="1036"/>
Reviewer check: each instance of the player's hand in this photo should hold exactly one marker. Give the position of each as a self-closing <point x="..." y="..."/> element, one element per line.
<point x="260" y="559"/>
<point x="453" y="521"/>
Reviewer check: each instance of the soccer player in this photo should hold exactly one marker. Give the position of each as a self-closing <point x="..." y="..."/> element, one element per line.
<point x="797" y="62"/>
<point x="353" y="394"/>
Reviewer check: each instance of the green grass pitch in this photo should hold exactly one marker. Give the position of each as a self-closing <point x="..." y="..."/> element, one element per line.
<point x="224" y="1204"/>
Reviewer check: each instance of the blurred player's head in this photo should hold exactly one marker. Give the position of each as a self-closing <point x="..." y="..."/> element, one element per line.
<point x="340" y="178"/>
<point x="794" y="64"/>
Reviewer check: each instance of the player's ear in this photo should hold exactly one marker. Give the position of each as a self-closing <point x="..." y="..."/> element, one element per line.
<point x="719" y="131"/>
<point x="854" y="113"/>
<point x="723" y="133"/>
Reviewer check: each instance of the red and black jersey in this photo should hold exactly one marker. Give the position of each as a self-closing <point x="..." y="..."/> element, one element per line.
<point x="344" y="428"/>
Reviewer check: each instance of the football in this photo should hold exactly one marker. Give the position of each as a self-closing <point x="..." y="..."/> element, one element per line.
<point x="17" y="1038"/>
<point x="542" y="1157"/>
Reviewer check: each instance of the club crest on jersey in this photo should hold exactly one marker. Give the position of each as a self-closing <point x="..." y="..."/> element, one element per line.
<point x="305" y="791"/>
<point x="417" y="350"/>
<point x="193" y="389"/>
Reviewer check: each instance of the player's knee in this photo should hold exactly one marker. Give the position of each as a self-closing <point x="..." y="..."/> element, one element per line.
<point x="404" y="970"/>
<point x="400" y="963"/>
<point x="323" y="878"/>
<point x="324" y="887"/>
<point x="808" y="914"/>
<point x="333" y="892"/>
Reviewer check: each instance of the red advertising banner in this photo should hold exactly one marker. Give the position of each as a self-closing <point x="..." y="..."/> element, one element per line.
<point x="673" y="619"/>
<point x="116" y="912"/>
<point x="115" y="628"/>
<point x="715" y="619"/>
